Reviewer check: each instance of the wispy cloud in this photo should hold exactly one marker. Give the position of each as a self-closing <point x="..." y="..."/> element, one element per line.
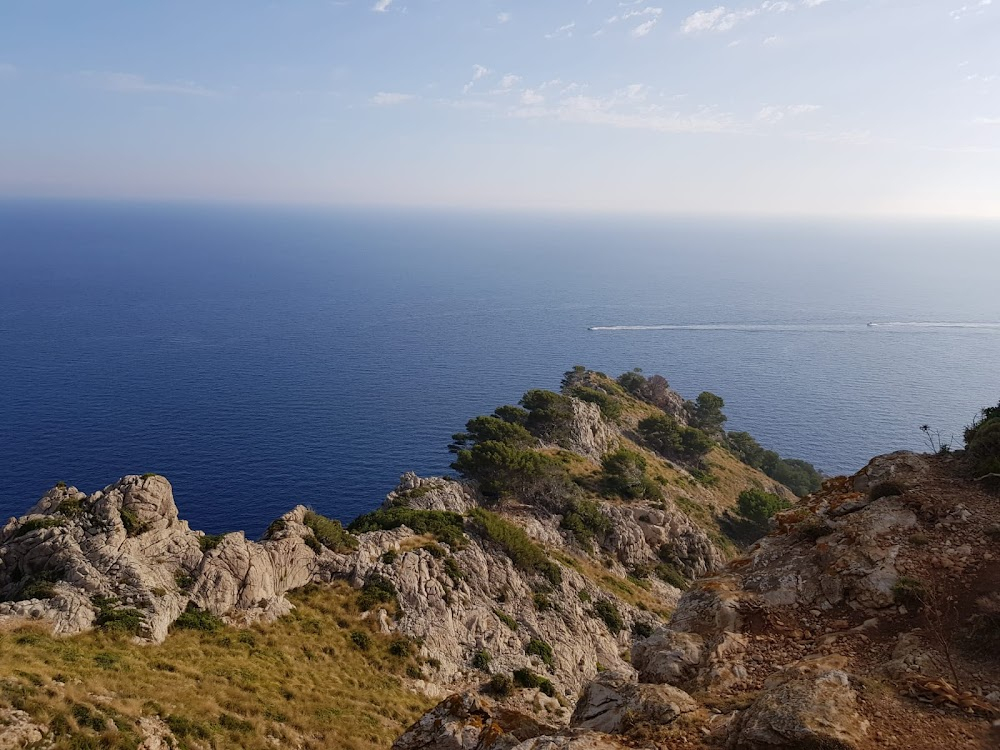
<point x="644" y="28"/>
<point x="987" y="121"/>
<point x="531" y="98"/>
<point x="503" y="17"/>
<point x="774" y="114"/>
<point x="381" y="6"/>
<point x="723" y="19"/>
<point x="509" y="81"/>
<point x="478" y="73"/>
<point x="972" y="9"/>
<point x="390" y="98"/>
<point x="565" y="30"/>
<point x="650" y="13"/>
<point x="130" y="83"/>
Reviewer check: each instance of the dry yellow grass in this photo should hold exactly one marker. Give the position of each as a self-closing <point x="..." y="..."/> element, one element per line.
<point x="302" y="680"/>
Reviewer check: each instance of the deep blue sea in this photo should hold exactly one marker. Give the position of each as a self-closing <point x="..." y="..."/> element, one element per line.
<point x="262" y="357"/>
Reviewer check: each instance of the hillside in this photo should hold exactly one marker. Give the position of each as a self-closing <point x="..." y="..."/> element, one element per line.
<point x="577" y="520"/>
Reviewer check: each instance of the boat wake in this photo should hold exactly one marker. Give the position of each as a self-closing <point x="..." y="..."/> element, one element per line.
<point x="790" y="327"/>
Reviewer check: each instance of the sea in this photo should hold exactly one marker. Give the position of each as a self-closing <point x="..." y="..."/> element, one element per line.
<point x="261" y="357"/>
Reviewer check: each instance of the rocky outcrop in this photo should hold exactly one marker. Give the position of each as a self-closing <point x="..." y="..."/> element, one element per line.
<point x="587" y="433"/>
<point x="615" y="702"/>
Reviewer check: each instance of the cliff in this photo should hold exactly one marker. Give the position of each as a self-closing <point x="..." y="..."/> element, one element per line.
<point x="542" y="595"/>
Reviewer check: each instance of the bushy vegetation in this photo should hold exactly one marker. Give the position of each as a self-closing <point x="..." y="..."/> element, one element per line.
<point x="506" y="619"/>
<point x="330" y="533"/>
<point x="525" y="678"/>
<point x="623" y="474"/>
<point x="34" y="524"/>
<point x="481" y="660"/>
<point x="492" y="429"/>
<point x="504" y="469"/>
<point x="549" y="415"/>
<point x="611" y="407"/>
<point x="705" y="412"/>
<point x="982" y="441"/>
<point x="606" y="610"/>
<point x="446" y="526"/>
<point x="518" y="546"/>
<point x="586" y="520"/>
<point x="758" y="506"/>
<point x="501" y="686"/>
<point x="210" y="541"/>
<point x="653" y="390"/>
<point x="376" y="590"/>
<point x="39" y="585"/>
<point x="112" y="618"/>
<point x="194" y="618"/>
<point x="801" y="477"/>
<point x="541" y="649"/>
<point x="669" y="438"/>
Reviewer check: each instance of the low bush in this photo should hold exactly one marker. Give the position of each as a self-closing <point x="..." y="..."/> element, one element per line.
<point x="525" y="678"/>
<point x="506" y="619"/>
<point x="445" y="526"/>
<point x="501" y="686"/>
<point x="361" y="640"/>
<point x="758" y="506"/>
<point x="194" y="618"/>
<point x="642" y="629"/>
<point x="909" y="592"/>
<point x="331" y="534"/>
<point x="519" y="547"/>
<point x="606" y="610"/>
<point x="801" y="477"/>
<point x="376" y="590"/>
<point x="451" y="568"/>
<point x="114" y="619"/>
<point x="623" y="474"/>
<point x="669" y="438"/>
<point x="481" y="660"/>
<point x="210" y="541"/>
<point x="34" y="524"/>
<point x="611" y="407"/>
<point x="586" y="520"/>
<point x="982" y="442"/>
<point x="541" y="649"/>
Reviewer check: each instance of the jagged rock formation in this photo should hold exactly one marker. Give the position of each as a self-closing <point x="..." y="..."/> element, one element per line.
<point x="857" y="624"/>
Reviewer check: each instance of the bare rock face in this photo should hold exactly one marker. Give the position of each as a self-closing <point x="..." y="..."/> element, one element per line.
<point x="668" y="657"/>
<point x="469" y="722"/>
<point x="812" y="711"/>
<point x="589" y="434"/>
<point x="432" y="493"/>
<point x="614" y="703"/>
<point x="125" y="547"/>
<point x="572" y="740"/>
<point x="18" y="730"/>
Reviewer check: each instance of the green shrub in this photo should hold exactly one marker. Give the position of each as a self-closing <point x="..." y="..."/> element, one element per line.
<point x="758" y="506"/>
<point x="669" y="574"/>
<point x="210" y="541"/>
<point x="669" y="438"/>
<point x="184" y="727"/>
<point x="361" y="640"/>
<point x="606" y="610"/>
<point x="39" y="585"/>
<point x="389" y="556"/>
<point x="230" y="722"/>
<point x="434" y="550"/>
<point x="194" y="618"/>
<point x="331" y="534"/>
<point x="542" y="602"/>
<point x="611" y="408"/>
<point x="446" y="526"/>
<point x="909" y="591"/>
<point x="400" y="647"/>
<point x="183" y="579"/>
<point x="506" y="619"/>
<point x="313" y="543"/>
<point x="70" y="508"/>
<point x="583" y="595"/>
<point x="519" y="547"/>
<point x="501" y="686"/>
<point x="705" y="412"/>
<point x="481" y="660"/>
<point x="801" y="477"/>
<point x="623" y="473"/>
<point x="34" y="524"/>
<point x="114" y="619"/>
<point x="276" y="526"/>
<point x="541" y="649"/>
<point x="642" y="629"/>
<point x="525" y="678"/>
<point x="130" y="520"/>
<point x="492" y="429"/>
<point x="376" y="590"/>
<point x="502" y="469"/>
<point x="549" y="415"/>
<point x="982" y="442"/>
<point x="451" y="568"/>
<point x="585" y="519"/>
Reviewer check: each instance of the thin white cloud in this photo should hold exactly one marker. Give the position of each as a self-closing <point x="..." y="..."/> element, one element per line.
<point x="972" y="9"/>
<point x="390" y="98"/>
<point x="478" y="73"/>
<point x="130" y="83"/>
<point x="644" y="28"/>
<point x="565" y="30"/>
<point x="381" y="6"/>
<point x="987" y="121"/>
<point x="771" y="114"/>
<point x="721" y="19"/>
<point x="531" y="98"/>
<point x="503" y="17"/>
<point x="509" y="81"/>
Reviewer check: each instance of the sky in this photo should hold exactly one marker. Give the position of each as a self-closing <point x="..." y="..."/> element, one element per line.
<point x="767" y="107"/>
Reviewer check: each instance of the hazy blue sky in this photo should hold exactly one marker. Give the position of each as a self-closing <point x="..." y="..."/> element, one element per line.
<point x="770" y="106"/>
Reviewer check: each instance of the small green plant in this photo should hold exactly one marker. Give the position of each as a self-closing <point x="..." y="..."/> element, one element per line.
<point x="525" y="678"/>
<point x="667" y="573"/>
<point x="451" y="568"/>
<point x="434" y="550"/>
<point x="330" y="533"/>
<point x="758" y="506"/>
<point x="401" y="647"/>
<point x="542" y="602"/>
<point x="389" y="557"/>
<point x="70" y="508"/>
<point x="377" y="590"/>
<point x="230" y="722"/>
<point x="210" y="541"/>
<point x="606" y="610"/>
<point x="361" y="640"/>
<point x="34" y="524"/>
<point x="114" y="619"/>
<point x="130" y="520"/>
<point x="481" y="660"/>
<point x="446" y="526"/>
<point x="541" y="649"/>
<point x="194" y="618"/>
<point x="506" y="619"/>
<point x="183" y="579"/>
<point x="277" y="525"/>
<point x="500" y="686"/>
<point x="920" y="540"/>
<point x="642" y="629"/>
<point x="584" y="596"/>
<point x="586" y="520"/>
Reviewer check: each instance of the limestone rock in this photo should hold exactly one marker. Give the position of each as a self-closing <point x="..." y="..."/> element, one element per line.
<point x="668" y="656"/>
<point x="588" y="434"/>
<point x="17" y="730"/>
<point x="469" y="722"/>
<point x="814" y="711"/>
<point x="572" y="740"/>
<point x="614" y="702"/>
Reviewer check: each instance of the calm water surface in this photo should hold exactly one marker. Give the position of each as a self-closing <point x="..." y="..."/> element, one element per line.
<point x="262" y="358"/>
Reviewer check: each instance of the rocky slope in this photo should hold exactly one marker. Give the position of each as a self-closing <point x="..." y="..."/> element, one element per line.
<point x="870" y="618"/>
<point x="543" y="588"/>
